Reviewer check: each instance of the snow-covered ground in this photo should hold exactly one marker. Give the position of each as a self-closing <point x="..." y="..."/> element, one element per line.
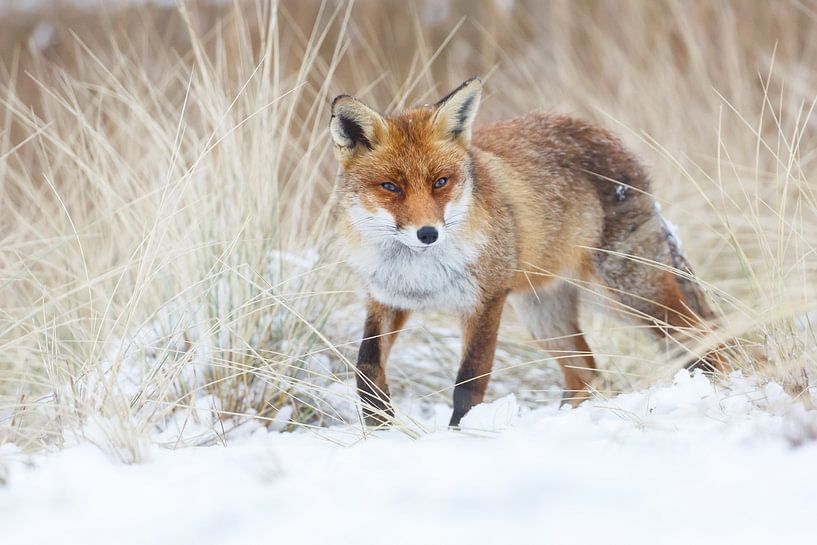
<point x="687" y="462"/>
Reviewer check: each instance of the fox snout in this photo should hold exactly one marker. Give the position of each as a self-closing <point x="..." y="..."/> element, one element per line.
<point x="421" y="237"/>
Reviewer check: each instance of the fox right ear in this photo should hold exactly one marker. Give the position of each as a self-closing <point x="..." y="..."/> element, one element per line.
<point x="354" y="125"/>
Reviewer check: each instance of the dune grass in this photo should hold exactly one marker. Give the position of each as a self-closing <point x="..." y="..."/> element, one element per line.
<point x="165" y="251"/>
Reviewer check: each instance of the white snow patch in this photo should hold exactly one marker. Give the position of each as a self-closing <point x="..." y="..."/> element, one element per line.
<point x="689" y="462"/>
<point x="42" y="37"/>
<point x="435" y="13"/>
<point x="497" y="416"/>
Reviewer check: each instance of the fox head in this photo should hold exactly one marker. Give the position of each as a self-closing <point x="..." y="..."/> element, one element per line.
<point x="407" y="177"/>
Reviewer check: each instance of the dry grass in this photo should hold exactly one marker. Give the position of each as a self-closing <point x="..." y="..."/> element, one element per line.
<point x="165" y="174"/>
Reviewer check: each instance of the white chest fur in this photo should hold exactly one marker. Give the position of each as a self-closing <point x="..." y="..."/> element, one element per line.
<point x="437" y="278"/>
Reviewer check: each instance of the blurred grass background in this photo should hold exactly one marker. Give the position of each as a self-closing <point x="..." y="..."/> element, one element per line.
<point x="165" y="172"/>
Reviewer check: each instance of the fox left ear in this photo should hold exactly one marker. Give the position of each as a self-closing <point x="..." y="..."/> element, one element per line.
<point x="455" y="113"/>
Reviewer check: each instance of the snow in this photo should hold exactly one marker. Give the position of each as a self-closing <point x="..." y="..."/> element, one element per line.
<point x="687" y="462"/>
<point x="621" y="192"/>
<point x="43" y="35"/>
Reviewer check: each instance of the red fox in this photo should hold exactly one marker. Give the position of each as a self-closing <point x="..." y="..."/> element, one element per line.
<point x="436" y="215"/>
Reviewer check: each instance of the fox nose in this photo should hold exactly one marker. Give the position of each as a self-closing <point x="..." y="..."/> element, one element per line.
<point x="428" y="234"/>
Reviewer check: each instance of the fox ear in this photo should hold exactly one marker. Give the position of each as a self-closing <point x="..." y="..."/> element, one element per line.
<point x="455" y="113"/>
<point x="354" y="124"/>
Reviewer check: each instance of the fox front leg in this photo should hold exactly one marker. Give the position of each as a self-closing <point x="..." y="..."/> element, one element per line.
<point x="479" y="333"/>
<point x="379" y="333"/>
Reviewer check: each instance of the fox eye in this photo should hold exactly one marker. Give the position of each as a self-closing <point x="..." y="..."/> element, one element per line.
<point x="388" y="186"/>
<point x="440" y="183"/>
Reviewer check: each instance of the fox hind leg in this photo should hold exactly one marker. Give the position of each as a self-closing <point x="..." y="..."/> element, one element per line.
<point x="552" y="317"/>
